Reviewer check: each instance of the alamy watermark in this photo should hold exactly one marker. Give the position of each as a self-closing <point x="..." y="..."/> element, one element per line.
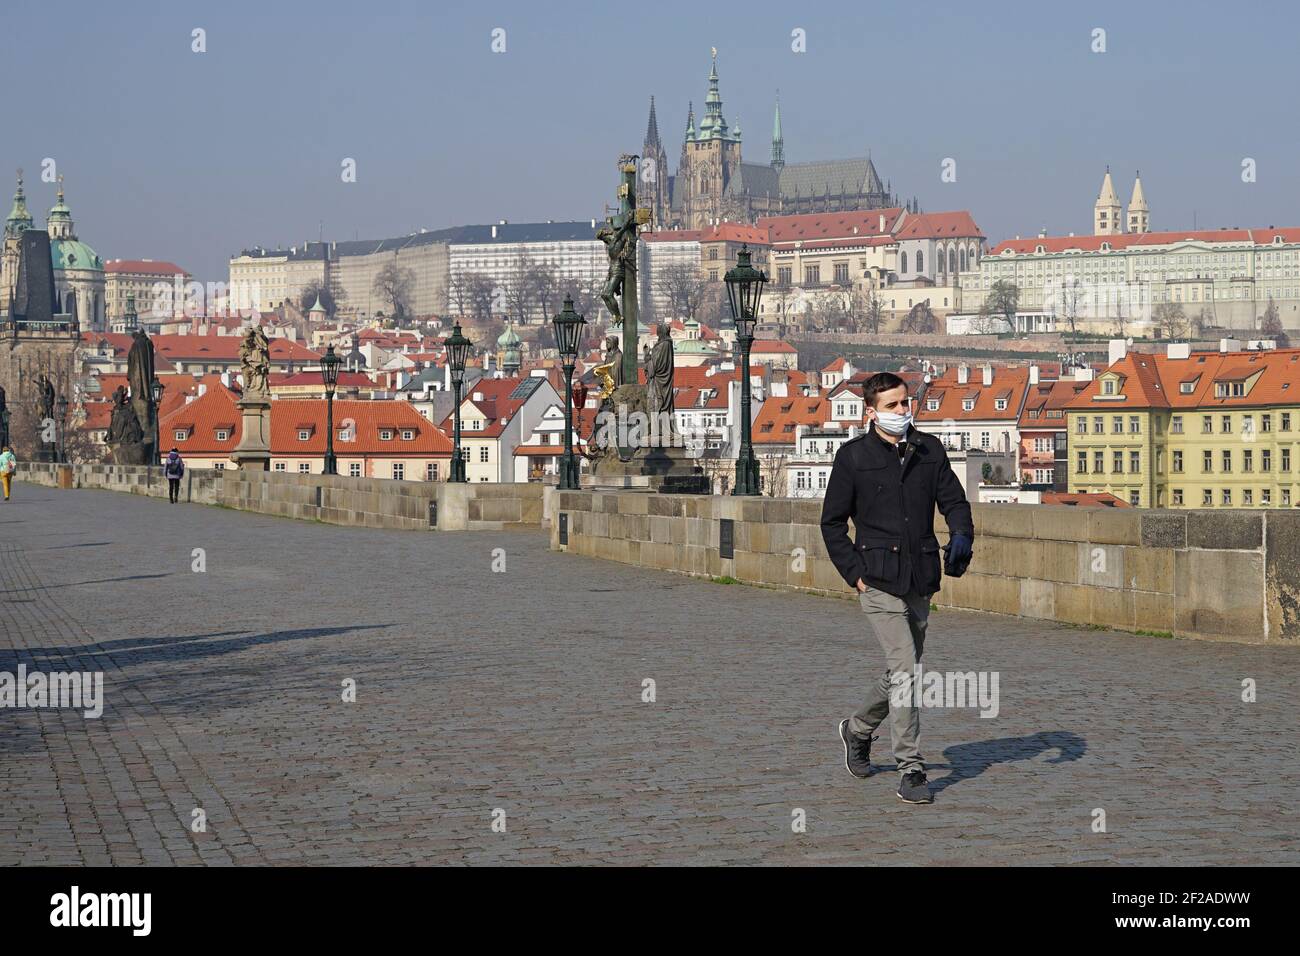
<point x="78" y="690"/>
<point x="922" y="688"/>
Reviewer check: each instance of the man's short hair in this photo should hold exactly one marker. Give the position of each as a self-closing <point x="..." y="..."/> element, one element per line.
<point x="880" y="382"/>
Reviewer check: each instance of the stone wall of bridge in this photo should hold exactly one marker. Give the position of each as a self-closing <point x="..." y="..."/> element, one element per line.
<point x="334" y="499"/>
<point x="1221" y="575"/>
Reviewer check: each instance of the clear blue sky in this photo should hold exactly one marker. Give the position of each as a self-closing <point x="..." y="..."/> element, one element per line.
<point x="174" y="155"/>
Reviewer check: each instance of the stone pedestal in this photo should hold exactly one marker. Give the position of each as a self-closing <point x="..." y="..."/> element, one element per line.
<point x="253" y="453"/>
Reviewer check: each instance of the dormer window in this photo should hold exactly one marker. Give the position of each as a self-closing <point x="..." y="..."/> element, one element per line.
<point x="1000" y="404"/>
<point x="385" y="434"/>
<point x="181" y="434"/>
<point x="408" y="434"/>
<point x="222" y="434"/>
<point x="1108" y="387"/>
<point x="304" y="434"/>
<point x="967" y="404"/>
<point x="931" y="404"/>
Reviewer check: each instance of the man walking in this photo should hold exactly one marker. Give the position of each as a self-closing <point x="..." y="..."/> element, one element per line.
<point x="889" y="481"/>
<point x="8" y="465"/>
<point x="174" y="471"/>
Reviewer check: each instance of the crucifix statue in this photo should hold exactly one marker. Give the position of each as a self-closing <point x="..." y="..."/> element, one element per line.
<point x="619" y="237"/>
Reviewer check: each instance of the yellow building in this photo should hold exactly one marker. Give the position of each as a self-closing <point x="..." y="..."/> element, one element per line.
<point x="1187" y="429"/>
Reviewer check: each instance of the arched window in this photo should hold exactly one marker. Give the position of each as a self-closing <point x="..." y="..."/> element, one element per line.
<point x="942" y="259"/>
<point x="920" y="261"/>
<point x="70" y="304"/>
<point x="963" y="260"/>
<point x="902" y="262"/>
<point x="952" y="260"/>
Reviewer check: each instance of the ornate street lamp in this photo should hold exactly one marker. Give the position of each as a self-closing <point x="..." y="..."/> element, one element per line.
<point x="156" y="391"/>
<point x="457" y="354"/>
<point x="744" y="291"/>
<point x="61" y="411"/>
<point x="568" y="339"/>
<point x="329" y="370"/>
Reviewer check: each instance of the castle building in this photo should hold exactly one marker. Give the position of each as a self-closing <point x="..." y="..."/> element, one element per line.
<point x="713" y="182"/>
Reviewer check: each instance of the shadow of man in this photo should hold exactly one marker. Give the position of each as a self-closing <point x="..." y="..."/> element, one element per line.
<point x="968" y="761"/>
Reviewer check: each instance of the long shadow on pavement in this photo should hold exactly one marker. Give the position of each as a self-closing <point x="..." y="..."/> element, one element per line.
<point x="970" y="760"/>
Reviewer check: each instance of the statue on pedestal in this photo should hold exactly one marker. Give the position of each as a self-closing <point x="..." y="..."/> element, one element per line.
<point x="659" y="381"/>
<point x="255" y="361"/>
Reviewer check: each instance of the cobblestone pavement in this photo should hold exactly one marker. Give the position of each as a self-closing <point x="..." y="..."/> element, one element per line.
<point x="522" y="691"/>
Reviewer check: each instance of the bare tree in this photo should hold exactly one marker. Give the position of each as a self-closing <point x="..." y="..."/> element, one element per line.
<point x="1170" y="321"/>
<point x="317" y="288"/>
<point x="547" y="289"/>
<point x="687" y="290"/>
<point x="1003" y="299"/>
<point x="920" y="319"/>
<point x="520" y="288"/>
<point x="873" y="310"/>
<point x="1071" y="295"/>
<point x="394" y="284"/>
<point x="1271" y="325"/>
<point x="771" y="472"/>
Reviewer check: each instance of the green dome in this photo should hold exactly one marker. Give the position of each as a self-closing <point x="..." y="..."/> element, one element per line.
<point x="70" y="254"/>
<point x="508" y="338"/>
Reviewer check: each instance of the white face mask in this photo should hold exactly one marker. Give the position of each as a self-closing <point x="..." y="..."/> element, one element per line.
<point x="893" y="423"/>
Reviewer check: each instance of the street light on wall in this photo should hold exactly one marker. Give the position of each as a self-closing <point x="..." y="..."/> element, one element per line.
<point x="458" y="347"/>
<point x="744" y="294"/>
<point x="329" y="369"/>
<point x="156" y="393"/>
<point x="569" y="326"/>
<point x="61" y="411"/>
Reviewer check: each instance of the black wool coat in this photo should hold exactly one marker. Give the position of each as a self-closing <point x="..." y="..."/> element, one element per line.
<point x="892" y="507"/>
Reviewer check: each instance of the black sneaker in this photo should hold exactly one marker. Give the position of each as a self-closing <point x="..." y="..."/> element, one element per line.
<point x="857" y="751"/>
<point x="914" y="788"/>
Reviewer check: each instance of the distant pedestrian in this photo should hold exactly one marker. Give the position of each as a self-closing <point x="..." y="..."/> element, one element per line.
<point x="8" y="465"/>
<point x="174" y="469"/>
<point x="889" y="482"/>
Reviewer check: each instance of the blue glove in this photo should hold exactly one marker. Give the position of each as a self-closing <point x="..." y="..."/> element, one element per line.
<point x="957" y="555"/>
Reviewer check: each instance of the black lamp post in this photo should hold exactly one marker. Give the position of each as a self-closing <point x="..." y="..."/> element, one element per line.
<point x="568" y="339"/>
<point x="744" y="291"/>
<point x="329" y="370"/>
<point x="156" y="390"/>
<point x="61" y="411"/>
<point x="457" y="354"/>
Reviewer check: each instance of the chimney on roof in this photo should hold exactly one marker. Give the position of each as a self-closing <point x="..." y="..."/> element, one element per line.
<point x="988" y="374"/>
<point x="882" y="223"/>
<point x="1229" y="345"/>
<point x="963" y="373"/>
<point x="1178" y="350"/>
<point x="1033" y="375"/>
<point x="203" y="389"/>
<point x="1118" y="349"/>
<point x="494" y="232"/>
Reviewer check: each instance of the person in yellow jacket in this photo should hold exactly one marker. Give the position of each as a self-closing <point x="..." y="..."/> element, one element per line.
<point x="8" y="465"/>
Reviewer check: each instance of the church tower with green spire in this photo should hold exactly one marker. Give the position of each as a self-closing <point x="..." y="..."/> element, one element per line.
<point x="710" y="157"/>
<point x="778" y="141"/>
<point x="18" y="222"/>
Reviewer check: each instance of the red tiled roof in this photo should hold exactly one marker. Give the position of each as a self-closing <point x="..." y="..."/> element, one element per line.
<point x="940" y="225"/>
<point x="1152" y="380"/>
<point x="831" y="225"/>
<point x="216" y="409"/>
<point x="144" y="266"/>
<point x="1259" y="237"/>
<point x="1009" y="383"/>
<point x="1094" y="499"/>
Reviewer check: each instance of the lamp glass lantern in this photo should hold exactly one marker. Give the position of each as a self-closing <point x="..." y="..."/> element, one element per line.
<point x="329" y="366"/>
<point x="745" y="292"/>
<point x="569" y="326"/>
<point x="156" y="390"/>
<point x="458" y="347"/>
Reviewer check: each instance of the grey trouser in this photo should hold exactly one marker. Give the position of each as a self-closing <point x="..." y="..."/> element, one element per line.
<point x="899" y="625"/>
